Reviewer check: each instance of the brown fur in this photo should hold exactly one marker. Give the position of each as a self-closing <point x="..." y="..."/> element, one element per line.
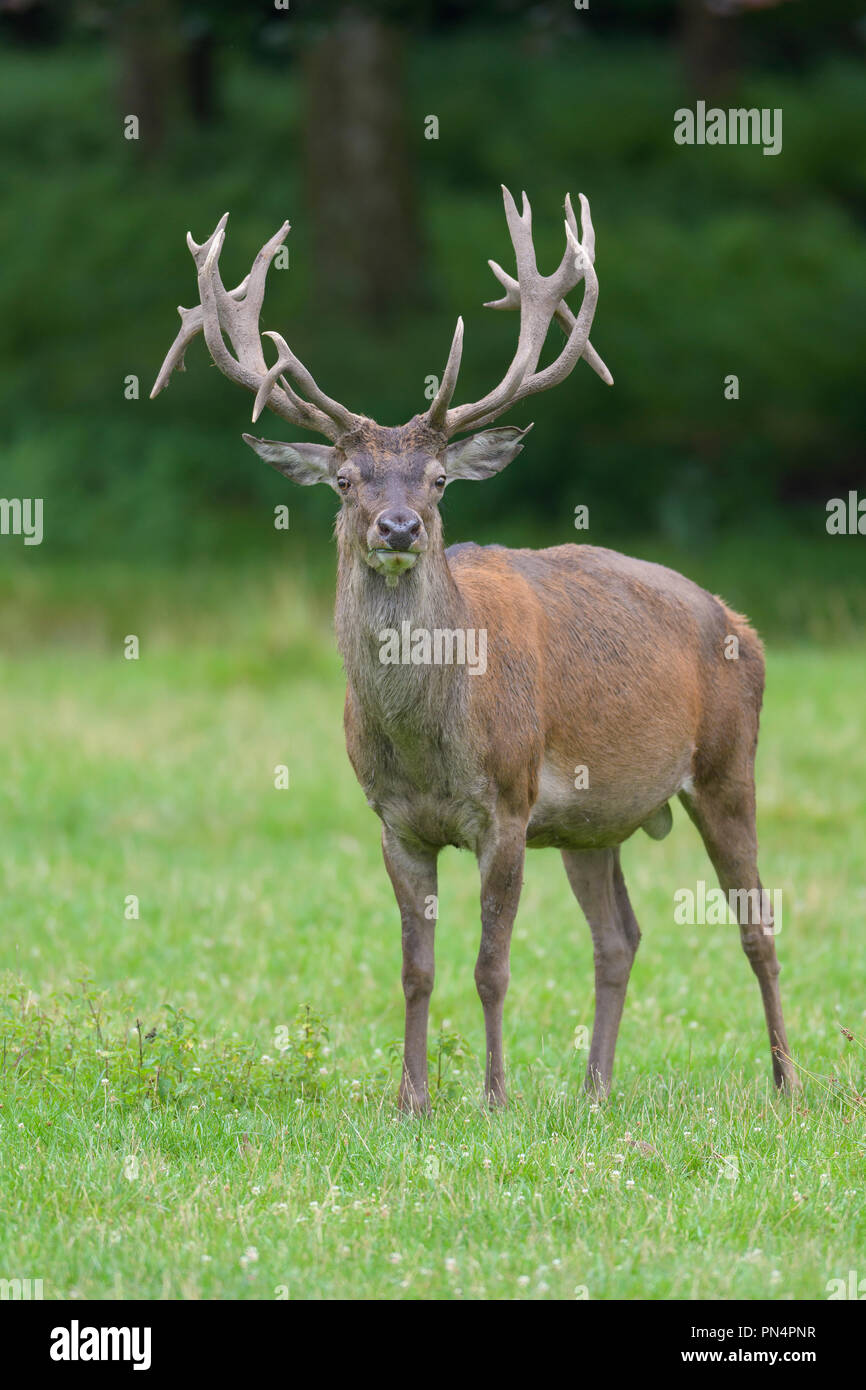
<point x="594" y="660"/>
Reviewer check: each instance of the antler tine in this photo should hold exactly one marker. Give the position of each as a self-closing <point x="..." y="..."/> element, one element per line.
<point x="577" y="340"/>
<point x="564" y="316"/>
<point x="237" y="313"/>
<point x="586" y="236"/>
<point x="287" y="361"/>
<point x="540" y="298"/>
<point x="197" y="249"/>
<point x="566" y="320"/>
<point x="240" y="319"/>
<point x="303" y="413"/>
<point x="342" y="417"/>
<point x="260" y="267"/>
<point x="511" y="299"/>
<point x="520" y="231"/>
<point x="284" y="359"/>
<point x="192" y="320"/>
<point x="441" y="401"/>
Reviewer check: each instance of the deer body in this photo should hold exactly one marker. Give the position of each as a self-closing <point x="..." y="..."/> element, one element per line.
<point x="574" y="634"/>
<point x="608" y="685"/>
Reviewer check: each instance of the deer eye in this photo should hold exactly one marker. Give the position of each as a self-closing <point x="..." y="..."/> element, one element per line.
<point x="441" y="480"/>
<point x="343" y="484"/>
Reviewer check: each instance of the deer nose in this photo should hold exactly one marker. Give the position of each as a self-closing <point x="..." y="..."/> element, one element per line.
<point x="399" y="528"/>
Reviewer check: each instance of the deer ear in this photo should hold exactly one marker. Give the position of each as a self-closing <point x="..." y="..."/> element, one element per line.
<point x="303" y="463"/>
<point x="482" y="455"/>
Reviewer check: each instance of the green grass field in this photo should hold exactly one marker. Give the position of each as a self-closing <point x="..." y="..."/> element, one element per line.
<point x="250" y="1145"/>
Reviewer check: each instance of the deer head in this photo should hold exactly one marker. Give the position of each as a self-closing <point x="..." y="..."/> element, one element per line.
<point x="390" y="480"/>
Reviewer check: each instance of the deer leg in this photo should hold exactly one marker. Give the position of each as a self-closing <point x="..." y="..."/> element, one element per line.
<point x="726" y="822"/>
<point x="413" y="875"/>
<point x="597" y="883"/>
<point x="501" y="864"/>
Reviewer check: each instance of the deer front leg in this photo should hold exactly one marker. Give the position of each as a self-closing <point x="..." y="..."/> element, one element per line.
<point x="412" y="872"/>
<point x="501" y="864"/>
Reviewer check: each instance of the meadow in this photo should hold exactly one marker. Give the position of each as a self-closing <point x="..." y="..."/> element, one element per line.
<point x="200" y="1002"/>
<point x="200" y="1014"/>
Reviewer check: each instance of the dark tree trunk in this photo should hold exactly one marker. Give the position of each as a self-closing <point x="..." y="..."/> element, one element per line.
<point x="146" y="41"/>
<point x="709" y="43"/>
<point x="199" y="61"/>
<point x="367" y="244"/>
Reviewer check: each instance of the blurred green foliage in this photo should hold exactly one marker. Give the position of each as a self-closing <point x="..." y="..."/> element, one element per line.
<point x="711" y="261"/>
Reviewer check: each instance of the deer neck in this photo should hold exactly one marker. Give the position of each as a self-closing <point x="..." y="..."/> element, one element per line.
<point x="381" y="637"/>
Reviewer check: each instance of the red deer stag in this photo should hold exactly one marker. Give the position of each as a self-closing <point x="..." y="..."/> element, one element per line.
<point x="593" y="660"/>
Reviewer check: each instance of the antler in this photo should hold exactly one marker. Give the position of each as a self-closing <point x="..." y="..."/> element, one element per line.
<point x="540" y="298"/>
<point x="236" y="313"/>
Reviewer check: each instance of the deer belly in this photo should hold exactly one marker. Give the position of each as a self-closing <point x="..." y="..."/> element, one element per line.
<point x="571" y="813"/>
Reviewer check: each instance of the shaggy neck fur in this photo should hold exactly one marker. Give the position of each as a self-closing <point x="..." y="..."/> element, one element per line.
<point x="404" y="701"/>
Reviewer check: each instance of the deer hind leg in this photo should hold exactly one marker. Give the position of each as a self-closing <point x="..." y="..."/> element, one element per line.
<point x="598" y="884"/>
<point x="725" y="817"/>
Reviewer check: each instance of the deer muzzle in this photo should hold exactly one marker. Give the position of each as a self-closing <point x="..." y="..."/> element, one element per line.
<point x="394" y="542"/>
